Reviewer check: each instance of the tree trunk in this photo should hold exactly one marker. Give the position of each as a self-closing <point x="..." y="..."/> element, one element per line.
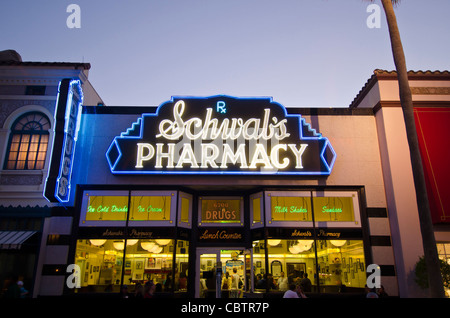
<point x="426" y="225"/>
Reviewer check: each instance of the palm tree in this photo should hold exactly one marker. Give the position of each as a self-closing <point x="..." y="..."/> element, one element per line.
<point x="426" y="225"/>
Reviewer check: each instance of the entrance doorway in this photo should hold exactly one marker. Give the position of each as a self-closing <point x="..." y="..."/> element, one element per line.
<point x="215" y="269"/>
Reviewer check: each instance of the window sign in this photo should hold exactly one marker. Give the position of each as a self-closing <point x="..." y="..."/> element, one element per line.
<point x="288" y="208"/>
<point x="152" y="208"/>
<point x="104" y="208"/>
<point x="336" y="209"/>
<point x="220" y="135"/>
<point x="291" y="208"/>
<point x="304" y="209"/>
<point x="214" y="211"/>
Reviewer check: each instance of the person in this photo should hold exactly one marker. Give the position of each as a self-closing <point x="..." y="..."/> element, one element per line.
<point x="182" y="283"/>
<point x="306" y="284"/>
<point x="13" y="290"/>
<point x="235" y="284"/>
<point x="300" y="292"/>
<point x="23" y="291"/>
<point x="139" y="291"/>
<point x="282" y="282"/>
<point x="291" y="292"/>
<point x="149" y="289"/>
<point x="124" y="292"/>
<point x="382" y="292"/>
<point x="167" y="283"/>
<point x="371" y="292"/>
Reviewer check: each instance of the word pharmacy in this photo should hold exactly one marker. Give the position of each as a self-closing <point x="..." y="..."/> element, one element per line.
<point x="234" y="137"/>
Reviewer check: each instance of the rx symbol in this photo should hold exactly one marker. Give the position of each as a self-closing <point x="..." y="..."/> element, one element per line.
<point x="221" y="107"/>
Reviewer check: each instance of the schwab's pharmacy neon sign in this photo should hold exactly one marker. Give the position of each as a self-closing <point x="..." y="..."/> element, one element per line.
<point x="221" y="135"/>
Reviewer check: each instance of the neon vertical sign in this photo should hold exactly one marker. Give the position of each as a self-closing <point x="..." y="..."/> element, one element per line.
<point x="67" y="124"/>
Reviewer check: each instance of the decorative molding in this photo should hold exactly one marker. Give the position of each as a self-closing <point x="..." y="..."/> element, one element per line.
<point x="430" y="90"/>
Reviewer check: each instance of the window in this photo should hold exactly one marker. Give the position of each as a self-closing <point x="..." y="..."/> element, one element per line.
<point x="28" y="142"/>
<point x="106" y="264"/>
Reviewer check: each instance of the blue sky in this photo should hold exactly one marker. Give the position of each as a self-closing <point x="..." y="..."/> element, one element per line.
<point x="302" y="53"/>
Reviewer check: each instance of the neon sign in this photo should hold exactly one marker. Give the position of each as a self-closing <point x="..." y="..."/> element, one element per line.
<point x="67" y="119"/>
<point x="221" y="135"/>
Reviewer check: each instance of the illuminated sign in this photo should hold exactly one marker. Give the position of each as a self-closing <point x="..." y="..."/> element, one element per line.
<point x="221" y="211"/>
<point x="219" y="235"/>
<point x="67" y="123"/>
<point x="220" y="135"/>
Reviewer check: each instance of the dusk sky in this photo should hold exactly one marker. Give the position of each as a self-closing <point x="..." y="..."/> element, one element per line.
<point x="302" y="53"/>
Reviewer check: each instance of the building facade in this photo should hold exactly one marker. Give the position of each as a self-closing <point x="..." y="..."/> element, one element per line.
<point x="188" y="193"/>
<point x="28" y="92"/>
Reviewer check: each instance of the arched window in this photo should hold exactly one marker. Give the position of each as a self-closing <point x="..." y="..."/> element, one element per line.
<point x="28" y="142"/>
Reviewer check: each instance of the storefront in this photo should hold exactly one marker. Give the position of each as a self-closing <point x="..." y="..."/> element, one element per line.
<point x="189" y="192"/>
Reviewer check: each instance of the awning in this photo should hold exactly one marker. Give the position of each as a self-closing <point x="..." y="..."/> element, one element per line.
<point x="11" y="240"/>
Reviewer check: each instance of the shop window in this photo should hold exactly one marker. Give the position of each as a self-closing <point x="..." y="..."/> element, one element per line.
<point x="100" y="262"/>
<point x="259" y="266"/>
<point x="28" y="142"/>
<point x="221" y="211"/>
<point x="104" y="263"/>
<point x="181" y="266"/>
<point x="152" y="208"/>
<point x="333" y="209"/>
<point x="185" y="213"/>
<point x="256" y="205"/>
<point x="149" y="260"/>
<point x="291" y="262"/>
<point x="107" y="208"/>
<point x="291" y="208"/>
<point x="341" y="265"/>
<point x="110" y="208"/>
<point x="309" y="208"/>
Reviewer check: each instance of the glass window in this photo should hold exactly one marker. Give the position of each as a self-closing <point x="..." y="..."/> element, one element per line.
<point x="181" y="266"/>
<point x="221" y="211"/>
<point x="150" y="208"/>
<point x="341" y="264"/>
<point x="100" y="262"/>
<point x="149" y="260"/>
<point x="256" y="205"/>
<point x="291" y="208"/>
<point x="28" y="142"/>
<point x="334" y="209"/>
<point x="259" y="266"/>
<point x="153" y="208"/>
<point x="104" y="208"/>
<point x="292" y="262"/>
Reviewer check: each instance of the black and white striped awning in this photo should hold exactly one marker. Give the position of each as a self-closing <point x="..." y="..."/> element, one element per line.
<point x="12" y="240"/>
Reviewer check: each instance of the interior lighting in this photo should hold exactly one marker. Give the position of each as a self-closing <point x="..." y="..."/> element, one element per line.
<point x="119" y="245"/>
<point x="163" y="242"/>
<point x="338" y="243"/>
<point x="97" y="242"/>
<point x="273" y="242"/>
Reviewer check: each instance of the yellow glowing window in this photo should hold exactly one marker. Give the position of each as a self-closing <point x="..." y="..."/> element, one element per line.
<point x="107" y="208"/>
<point x="28" y="142"/>
<point x="150" y="208"/>
<point x="256" y="210"/>
<point x="185" y="204"/>
<point x="329" y="209"/>
<point x="221" y="211"/>
<point x="291" y="208"/>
